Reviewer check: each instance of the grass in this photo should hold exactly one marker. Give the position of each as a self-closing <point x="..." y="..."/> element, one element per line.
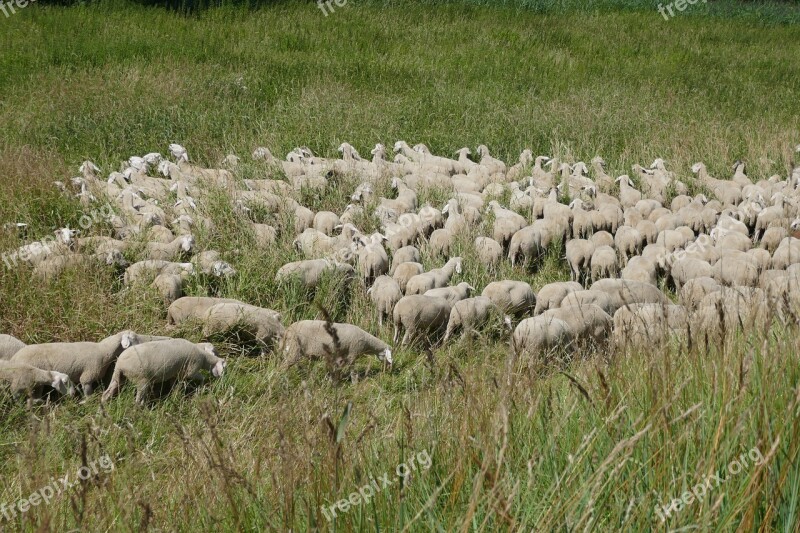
<point x="592" y="444"/>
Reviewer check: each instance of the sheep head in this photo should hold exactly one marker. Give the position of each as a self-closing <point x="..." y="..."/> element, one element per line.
<point x="386" y="355"/>
<point x="62" y="384"/>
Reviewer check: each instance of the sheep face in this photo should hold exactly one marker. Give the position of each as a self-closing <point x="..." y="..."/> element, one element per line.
<point x="219" y="368"/>
<point x="187" y="244"/>
<point x="696" y="167"/>
<point x="62" y="384"/>
<point x="385" y="355"/>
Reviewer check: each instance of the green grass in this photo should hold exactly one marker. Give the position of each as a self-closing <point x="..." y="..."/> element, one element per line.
<point x="513" y="444"/>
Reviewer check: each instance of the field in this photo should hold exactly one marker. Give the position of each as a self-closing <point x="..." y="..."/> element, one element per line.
<point x="602" y="442"/>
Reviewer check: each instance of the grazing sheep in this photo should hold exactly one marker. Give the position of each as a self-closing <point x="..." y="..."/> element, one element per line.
<point x="325" y="222"/>
<point x="452" y="294"/>
<point x="694" y="290"/>
<point x="735" y="273"/>
<point x="418" y="316"/>
<point x="604" y="263"/>
<point x="649" y="325"/>
<point x="469" y="314"/>
<point x="311" y="271"/>
<point x="405" y="271"/>
<point x="168" y="252"/>
<point x="551" y="295"/>
<point x="541" y="334"/>
<point x="514" y="298"/>
<point x="489" y="251"/>
<point x="579" y="256"/>
<point x="433" y="279"/>
<point x="623" y="291"/>
<point x="384" y="293"/>
<point x="628" y="242"/>
<point x="84" y="362"/>
<point x="585" y="321"/>
<point x="27" y="380"/>
<point x="586" y="297"/>
<point x="342" y="343"/>
<point x="260" y="324"/>
<point x="193" y="308"/>
<point x="687" y="268"/>
<point x="9" y="346"/>
<point x="372" y="258"/>
<point x="151" y="268"/>
<point x="210" y="263"/>
<point x="153" y="363"/>
<point x="53" y="267"/>
<point x="170" y="286"/>
<point x="406" y="254"/>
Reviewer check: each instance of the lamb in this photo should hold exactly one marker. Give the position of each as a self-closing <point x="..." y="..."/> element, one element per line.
<point x="433" y="279"/>
<point x="604" y="263"/>
<point x="152" y="268"/>
<point x="311" y="271"/>
<point x="540" y="334"/>
<point x="154" y="363"/>
<point x="9" y="346"/>
<point x="170" y="286"/>
<point x="262" y="325"/>
<point x="193" y="308"/>
<point x="623" y="291"/>
<point x="84" y="362"/>
<point x="551" y="295"/>
<point x="579" y="255"/>
<point x="452" y="294"/>
<point x="340" y="343"/>
<point x="470" y="314"/>
<point x="384" y="293"/>
<point x="419" y="315"/>
<point x="406" y="254"/>
<point x="514" y="298"/>
<point x="489" y="251"/>
<point x="405" y="271"/>
<point x="27" y="380"/>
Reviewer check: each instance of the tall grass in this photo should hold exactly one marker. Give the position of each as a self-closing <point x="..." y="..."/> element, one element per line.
<point x="593" y="443"/>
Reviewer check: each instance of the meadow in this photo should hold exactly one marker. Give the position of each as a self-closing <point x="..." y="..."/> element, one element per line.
<point x="601" y="442"/>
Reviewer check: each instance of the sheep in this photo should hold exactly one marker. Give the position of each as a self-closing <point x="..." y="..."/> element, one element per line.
<point x="603" y="263"/>
<point x="433" y="279"/>
<point x="649" y="325"/>
<point x="735" y="273"/>
<point x="602" y="238"/>
<point x="469" y="314"/>
<point x="405" y="271"/>
<point x="152" y="268"/>
<point x="193" y="308"/>
<point x="579" y="255"/>
<point x="514" y="298"/>
<point x="452" y="294"/>
<point x="419" y="315"/>
<point x="540" y="334"/>
<point x="623" y="291"/>
<point x="406" y="254"/>
<point x="84" y="362"/>
<point x="640" y="269"/>
<point x="372" y="258"/>
<point x="50" y="269"/>
<point x="265" y="235"/>
<point x="168" y="252"/>
<point x="9" y="346"/>
<point x="586" y="297"/>
<point x="385" y="292"/>
<point x="210" y="263"/>
<point x="260" y="324"/>
<point x="325" y="222"/>
<point x="27" y="380"/>
<point x="694" y="290"/>
<point x="340" y="343"/>
<point x="489" y="251"/>
<point x="440" y="242"/>
<point x="628" y="242"/>
<point x="531" y="241"/>
<point x="170" y="286"/>
<point x="310" y="272"/>
<point x="154" y="363"/>
<point x="585" y="321"/>
<point x="687" y="268"/>
<point x="551" y="295"/>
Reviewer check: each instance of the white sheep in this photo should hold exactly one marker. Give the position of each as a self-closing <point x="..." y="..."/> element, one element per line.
<point x="310" y="272"/>
<point x="489" y="251"/>
<point x="340" y="343"/>
<point x="153" y="363"/>
<point x="405" y="271"/>
<point x="384" y="293"/>
<point x="257" y="323"/>
<point x="551" y="295"/>
<point x="603" y="263"/>
<point x="514" y="298"/>
<point x="418" y="315"/>
<point x="9" y="346"/>
<point x="84" y="362"/>
<point x="623" y="291"/>
<point x="452" y="294"/>
<point x="27" y="380"/>
<point x="541" y="334"/>
<point x="433" y="279"/>
<point x="470" y="314"/>
<point x="579" y="256"/>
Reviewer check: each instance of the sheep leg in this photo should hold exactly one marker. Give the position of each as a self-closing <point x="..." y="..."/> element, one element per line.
<point x="142" y="393"/>
<point x="87" y="388"/>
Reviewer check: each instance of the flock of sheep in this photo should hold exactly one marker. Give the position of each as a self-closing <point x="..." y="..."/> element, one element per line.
<point x="730" y="251"/>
